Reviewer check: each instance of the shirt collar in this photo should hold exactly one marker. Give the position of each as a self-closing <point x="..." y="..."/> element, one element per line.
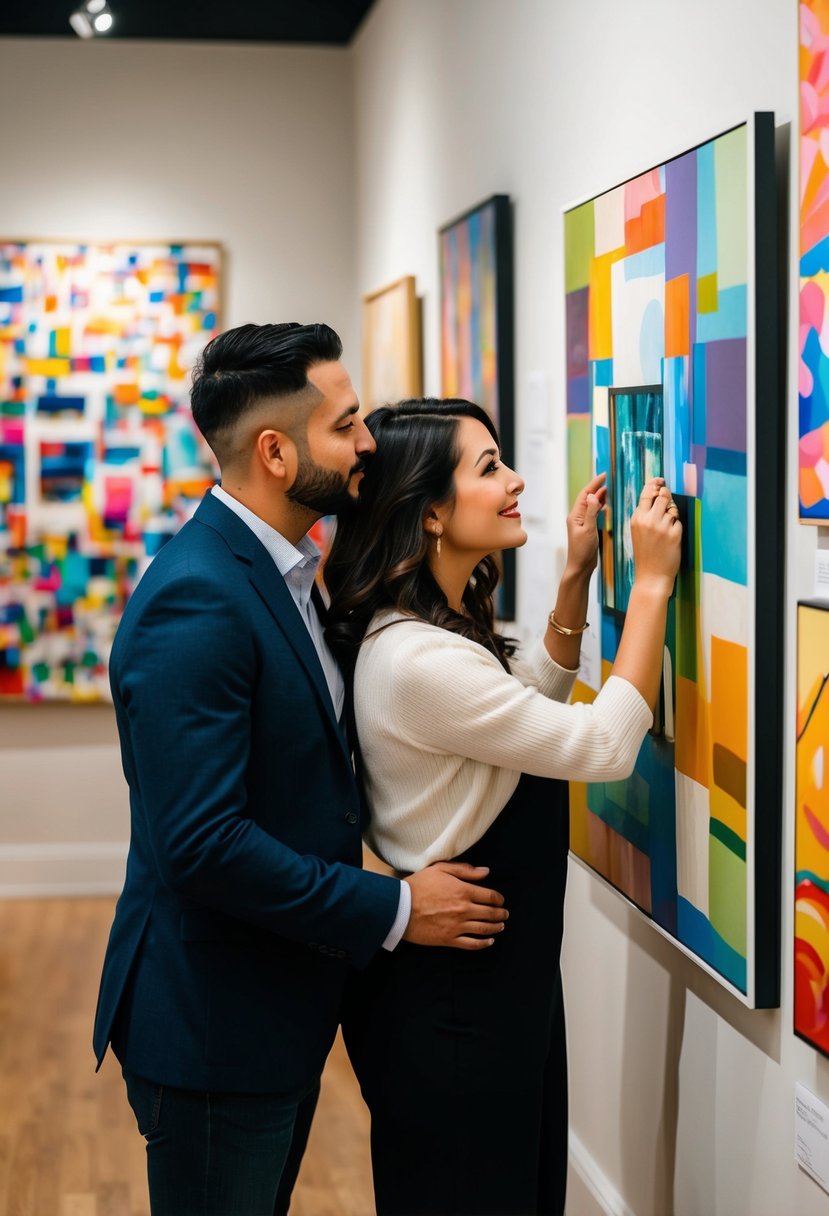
<point x="298" y="561"/>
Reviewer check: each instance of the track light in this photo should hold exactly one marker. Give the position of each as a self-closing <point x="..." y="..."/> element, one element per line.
<point x="92" y="18"/>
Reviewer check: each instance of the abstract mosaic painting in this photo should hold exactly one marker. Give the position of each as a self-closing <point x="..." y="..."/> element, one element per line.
<point x="813" y="448"/>
<point x="100" y="462"/>
<point x="671" y="371"/>
<point x="476" y="327"/>
<point x="811" y="911"/>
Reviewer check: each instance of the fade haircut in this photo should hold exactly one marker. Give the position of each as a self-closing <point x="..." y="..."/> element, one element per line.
<point x="246" y="366"/>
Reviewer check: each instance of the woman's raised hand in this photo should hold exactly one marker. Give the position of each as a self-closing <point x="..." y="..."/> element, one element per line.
<point x="657" y="537"/>
<point x="582" y="533"/>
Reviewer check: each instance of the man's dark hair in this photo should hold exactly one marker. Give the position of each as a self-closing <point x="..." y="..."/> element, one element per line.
<point x="244" y="366"/>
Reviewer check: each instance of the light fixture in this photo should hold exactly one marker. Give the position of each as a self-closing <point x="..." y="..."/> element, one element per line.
<point x="92" y="18"/>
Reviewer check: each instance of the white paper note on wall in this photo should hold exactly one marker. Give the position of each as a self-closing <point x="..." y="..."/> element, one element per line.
<point x="811" y="1135"/>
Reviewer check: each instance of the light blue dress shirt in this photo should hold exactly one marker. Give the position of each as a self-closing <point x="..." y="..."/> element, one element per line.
<point x="298" y="566"/>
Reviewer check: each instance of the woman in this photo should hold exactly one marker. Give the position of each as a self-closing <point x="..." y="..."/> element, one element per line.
<point x="466" y="751"/>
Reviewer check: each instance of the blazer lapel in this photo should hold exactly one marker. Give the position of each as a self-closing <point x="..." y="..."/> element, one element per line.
<point x="270" y="586"/>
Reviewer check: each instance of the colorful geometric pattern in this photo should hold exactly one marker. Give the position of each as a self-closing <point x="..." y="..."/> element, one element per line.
<point x="657" y="325"/>
<point x="100" y="462"/>
<point x="468" y="309"/>
<point x="811" y="913"/>
<point x="476" y="323"/>
<point x="814" y="262"/>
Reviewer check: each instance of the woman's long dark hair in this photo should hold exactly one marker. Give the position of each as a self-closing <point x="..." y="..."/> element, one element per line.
<point x="379" y="558"/>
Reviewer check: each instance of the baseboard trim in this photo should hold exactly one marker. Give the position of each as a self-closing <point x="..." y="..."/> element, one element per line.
<point x="595" y="1180"/>
<point x="35" y="871"/>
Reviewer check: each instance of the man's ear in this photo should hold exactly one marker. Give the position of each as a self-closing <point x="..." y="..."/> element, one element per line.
<point x="277" y="454"/>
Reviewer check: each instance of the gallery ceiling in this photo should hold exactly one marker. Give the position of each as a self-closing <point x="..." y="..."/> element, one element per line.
<point x="315" y="21"/>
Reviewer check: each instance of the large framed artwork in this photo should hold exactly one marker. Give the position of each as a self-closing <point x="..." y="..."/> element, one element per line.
<point x="672" y="370"/>
<point x="100" y="461"/>
<point x="813" y="373"/>
<point x="392" y="344"/>
<point x="476" y="328"/>
<point x="811" y="909"/>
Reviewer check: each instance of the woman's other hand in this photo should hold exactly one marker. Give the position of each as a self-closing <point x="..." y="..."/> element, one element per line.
<point x="582" y="532"/>
<point x="657" y="537"/>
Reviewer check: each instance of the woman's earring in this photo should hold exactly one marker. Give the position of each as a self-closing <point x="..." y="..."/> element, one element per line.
<point x="437" y="541"/>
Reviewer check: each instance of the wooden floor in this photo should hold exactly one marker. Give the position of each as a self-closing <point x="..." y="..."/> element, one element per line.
<point x="68" y="1142"/>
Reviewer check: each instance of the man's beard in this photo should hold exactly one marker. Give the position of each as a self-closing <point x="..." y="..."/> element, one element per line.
<point x="322" y="490"/>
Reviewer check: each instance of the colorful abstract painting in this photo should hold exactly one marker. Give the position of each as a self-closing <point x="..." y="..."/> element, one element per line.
<point x="476" y="327"/>
<point x="100" y="462"/>
<point x="813" y="477"/>
<point x="811" y="910"/>
<point x="660" y="371"/>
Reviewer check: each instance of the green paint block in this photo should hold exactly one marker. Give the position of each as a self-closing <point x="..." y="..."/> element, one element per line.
<point x="579" y="454"/>
<point x="579" y="246"/>
<point x="727" y="894"/>
<point x="731" y="186"/>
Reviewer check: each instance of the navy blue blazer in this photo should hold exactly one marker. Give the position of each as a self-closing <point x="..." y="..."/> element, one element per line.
<point x="244" y="904"/>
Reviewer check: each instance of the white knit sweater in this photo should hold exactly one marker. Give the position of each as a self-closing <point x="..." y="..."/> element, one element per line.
<point x="446" y="733"/>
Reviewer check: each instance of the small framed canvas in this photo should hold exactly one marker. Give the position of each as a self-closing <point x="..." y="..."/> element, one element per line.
<point x="476" y="329"/>
<point x="392" y="344"/>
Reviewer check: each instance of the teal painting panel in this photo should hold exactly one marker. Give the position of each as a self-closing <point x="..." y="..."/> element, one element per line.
<point x="724" y="525"/>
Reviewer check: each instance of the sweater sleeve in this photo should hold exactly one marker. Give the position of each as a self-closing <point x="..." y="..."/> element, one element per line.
<point x="451" y="696"/>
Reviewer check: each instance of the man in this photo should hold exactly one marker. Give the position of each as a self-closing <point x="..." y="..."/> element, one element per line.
<point x="244" y="904"/>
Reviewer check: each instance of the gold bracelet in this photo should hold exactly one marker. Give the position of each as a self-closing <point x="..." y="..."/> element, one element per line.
<point x="568" y="633"/>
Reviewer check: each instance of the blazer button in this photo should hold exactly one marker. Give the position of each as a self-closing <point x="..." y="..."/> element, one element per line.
<point x="351" y="817"/>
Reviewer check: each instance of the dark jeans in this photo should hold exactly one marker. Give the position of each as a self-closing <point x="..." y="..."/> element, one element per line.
<point x="218" y="1154"/>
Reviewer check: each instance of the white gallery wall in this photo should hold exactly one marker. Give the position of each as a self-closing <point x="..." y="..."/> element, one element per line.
<point x="249" y="146"/>
<point x="682" y="1100"/>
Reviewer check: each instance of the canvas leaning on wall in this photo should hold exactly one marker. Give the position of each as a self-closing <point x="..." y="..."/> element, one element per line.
<point x="672" y="338"/>
<point x="392" y="344"/>
<point x="100" y="461"/>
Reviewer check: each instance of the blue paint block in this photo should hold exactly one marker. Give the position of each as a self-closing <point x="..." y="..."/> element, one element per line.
<point x="698" y="396"/>
<point x="12" y="295"/>
<point x="725" y="461"/>
<point x="646" y="264"/>
<point x="724" y="526"/>
<point x="706" y="212"/>
<point x="815" y="259"/>
<point x="729" y="321"/>
<point x="602" y="373"/>
<point x="156" y="297"/>
<point x="578" y="398"/>
<point x="696" y="932"/>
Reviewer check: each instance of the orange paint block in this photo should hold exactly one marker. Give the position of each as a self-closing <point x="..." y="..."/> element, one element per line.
<point x="126" y="394"/>
<point x="600" y="327"/>
<point x="729" y="696"/>
<point x="677" y="316"/>
<point x="692" y="754"/>
<point x="648" y="228"/>
<point x="50" y="303"/>
<point x="810" y="488"/>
